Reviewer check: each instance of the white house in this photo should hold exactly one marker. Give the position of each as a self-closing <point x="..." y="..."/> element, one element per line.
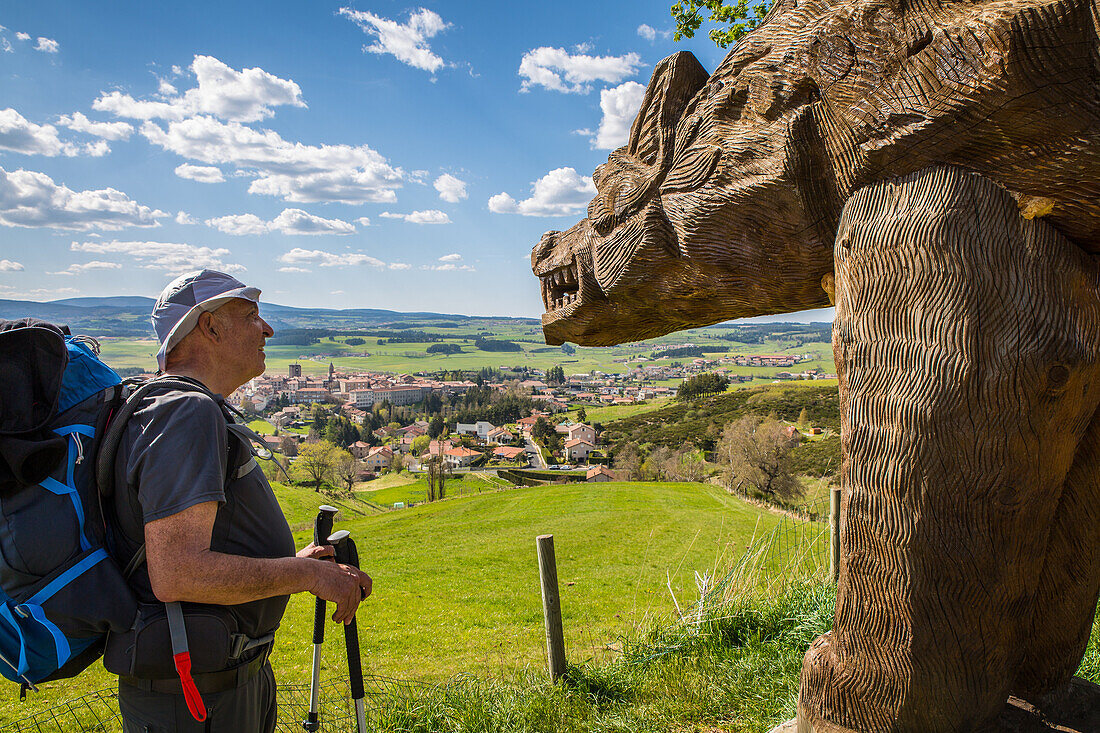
<point x="480" y="428"/>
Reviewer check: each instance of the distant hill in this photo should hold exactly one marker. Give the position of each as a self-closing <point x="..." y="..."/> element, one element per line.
<point x="129" y="315"/>
<point x="118" y="301"/>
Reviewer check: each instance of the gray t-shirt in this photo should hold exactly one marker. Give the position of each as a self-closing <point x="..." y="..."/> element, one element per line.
<point x="173" y="456"/>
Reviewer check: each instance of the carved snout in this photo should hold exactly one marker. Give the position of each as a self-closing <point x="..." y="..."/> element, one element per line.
<point x="555" y="264"/>
<point x="543" y="249"/>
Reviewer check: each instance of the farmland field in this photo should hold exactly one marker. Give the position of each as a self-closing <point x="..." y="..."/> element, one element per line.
<point x="413" y="357"/>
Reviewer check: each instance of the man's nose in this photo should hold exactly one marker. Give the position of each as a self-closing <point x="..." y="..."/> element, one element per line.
<point x="268" y="330"/>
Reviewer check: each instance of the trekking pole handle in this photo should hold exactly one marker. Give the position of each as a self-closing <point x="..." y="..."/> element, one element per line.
<point x="322" y="525"/>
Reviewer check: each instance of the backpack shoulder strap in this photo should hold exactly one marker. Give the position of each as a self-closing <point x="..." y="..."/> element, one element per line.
<point x="108" y="449"/>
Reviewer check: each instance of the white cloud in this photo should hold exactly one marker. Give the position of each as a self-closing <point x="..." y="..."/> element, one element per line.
<point x="560" y="192"/>
<point x="555" y="68"/>
<point x="239" y="96"/>
<point x="453" y="257"/>
<point x="106" y="130"/>
<point x="407" y="43"/>
<point x="47" y="45"/>
<point x="293" y="171"/>
<point x="290" y="221"/>
<point x="23" y="36"/>
<point x="184" y="218"/>
<point x="450" y="188"/>
<point x="449" y="267"/>
<point x="9" y="266"/>
<point x="240" y="224"/>
<point x="97" y="149"/>
<point x="296" y="221"/>
<point x="620" y="106"/>
<point x="429" y="216"/>
<point x="165" y="88"/>
<point x="200" y="173"/>
<point x="177" y="70"/>
<point x="502" y="203"/>
<point x="76" y="269"/>
<point x="6" y="46"/>
<point x="399" y="266"/>
<point x="650" y="33"/>
<point x="242" y="96"/>
<point x="171" y="258"/>
<point x="299" y="256"/>
<point x="363" y="221"/>
<point x="20" y="135"/>
<point x="32" y="199"/>
<point x="294" y="269"/>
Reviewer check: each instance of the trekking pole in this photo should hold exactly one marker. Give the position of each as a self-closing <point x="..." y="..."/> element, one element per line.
<point x="346" y="554"/>
<point x="322" y="528"/>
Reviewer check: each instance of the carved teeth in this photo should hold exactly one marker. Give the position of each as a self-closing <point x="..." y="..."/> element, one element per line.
<point x="560" y="286"/>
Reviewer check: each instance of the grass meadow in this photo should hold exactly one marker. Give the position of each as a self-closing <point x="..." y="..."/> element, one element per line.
<point x="456" y="586"/>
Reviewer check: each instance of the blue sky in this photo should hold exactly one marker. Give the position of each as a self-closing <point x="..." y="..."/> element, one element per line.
<point x="343" y="154"/>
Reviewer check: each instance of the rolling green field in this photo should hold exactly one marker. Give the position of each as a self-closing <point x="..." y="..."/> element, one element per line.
<point x="413" y="357"/>
<point x="456" y="588"/>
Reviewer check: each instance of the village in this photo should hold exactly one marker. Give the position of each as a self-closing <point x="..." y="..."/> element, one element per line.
<point x="409" y="438"/>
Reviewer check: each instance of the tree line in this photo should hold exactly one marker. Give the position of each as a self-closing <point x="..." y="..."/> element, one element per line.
<point x="702" y="385"/>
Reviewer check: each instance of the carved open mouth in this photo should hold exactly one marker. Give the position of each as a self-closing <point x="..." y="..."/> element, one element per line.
<point x="560" y="287"/>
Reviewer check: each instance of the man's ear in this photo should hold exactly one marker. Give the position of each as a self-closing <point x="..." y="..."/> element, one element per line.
<point x="208" y="325"/>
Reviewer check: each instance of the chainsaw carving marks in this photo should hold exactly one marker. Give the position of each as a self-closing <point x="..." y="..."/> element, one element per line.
<point x="967" y="350"/>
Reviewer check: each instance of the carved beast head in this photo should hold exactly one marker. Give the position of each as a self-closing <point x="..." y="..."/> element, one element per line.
<point x="724" y="202"/>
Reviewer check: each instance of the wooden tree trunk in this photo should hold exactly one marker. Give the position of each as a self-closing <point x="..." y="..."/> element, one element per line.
<point x="967" y="343"/>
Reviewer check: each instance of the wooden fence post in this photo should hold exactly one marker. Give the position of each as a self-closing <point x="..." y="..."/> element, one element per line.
<point x="834" y="534"/>
<point x="551" y="606"/>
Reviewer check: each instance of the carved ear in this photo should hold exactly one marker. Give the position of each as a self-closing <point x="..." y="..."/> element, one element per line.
<point x="675" y="81"/>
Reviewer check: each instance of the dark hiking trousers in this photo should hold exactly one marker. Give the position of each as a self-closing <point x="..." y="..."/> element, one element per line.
<point x="249" y="708"/>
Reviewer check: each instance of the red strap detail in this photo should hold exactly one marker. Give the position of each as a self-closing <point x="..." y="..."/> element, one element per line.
<point x="190" y="692"/>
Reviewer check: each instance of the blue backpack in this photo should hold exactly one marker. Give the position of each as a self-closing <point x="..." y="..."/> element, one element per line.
<point x="60" y="590"/>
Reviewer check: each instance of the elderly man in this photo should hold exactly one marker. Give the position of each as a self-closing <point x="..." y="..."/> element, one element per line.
<point x="214" y="535"/>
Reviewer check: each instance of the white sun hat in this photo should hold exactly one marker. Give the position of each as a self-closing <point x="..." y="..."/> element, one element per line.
<point x="186" y="298"/>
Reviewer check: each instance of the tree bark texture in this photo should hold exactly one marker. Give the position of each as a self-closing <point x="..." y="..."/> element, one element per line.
<point x="967" y="344"/>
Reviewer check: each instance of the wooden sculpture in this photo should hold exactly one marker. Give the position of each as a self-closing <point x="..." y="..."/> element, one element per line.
<point x="933" y="168"/>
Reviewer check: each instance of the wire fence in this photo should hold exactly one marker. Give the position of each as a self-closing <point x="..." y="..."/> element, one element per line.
<point x="797" y="547"/>
<point x="97" y="712"/>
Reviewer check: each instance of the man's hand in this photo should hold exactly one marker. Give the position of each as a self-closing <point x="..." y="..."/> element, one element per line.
<point x="317" y="552"/>
<point x="182" y="567"/>
<point x="341" y="584"/>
